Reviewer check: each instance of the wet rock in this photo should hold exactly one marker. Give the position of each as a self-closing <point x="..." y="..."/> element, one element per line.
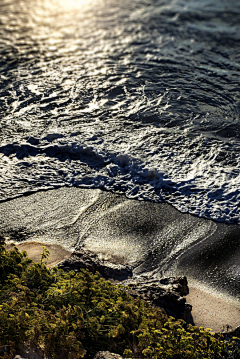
<point x="88" y="260"/>
<point x="107" y="355"/>
<point x="166" y="293"/>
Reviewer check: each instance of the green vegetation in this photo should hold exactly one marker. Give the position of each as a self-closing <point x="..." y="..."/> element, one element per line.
<point x="70" y="315"/>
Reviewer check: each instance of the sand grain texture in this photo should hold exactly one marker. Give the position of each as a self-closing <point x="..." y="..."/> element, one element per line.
<point x="34" y="251"/>
<point x="212" y="311"/>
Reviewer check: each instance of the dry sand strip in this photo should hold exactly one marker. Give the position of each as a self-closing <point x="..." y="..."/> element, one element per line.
<point x="35" y="249"/>
<point x="209" y="310"/>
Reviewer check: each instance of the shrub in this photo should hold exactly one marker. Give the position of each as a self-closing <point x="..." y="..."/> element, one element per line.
<point x="70" y="315"/>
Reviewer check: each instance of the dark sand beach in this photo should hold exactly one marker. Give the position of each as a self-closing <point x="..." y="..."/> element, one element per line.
<point x="152" y="237"/>
<point x="136" y="97"/>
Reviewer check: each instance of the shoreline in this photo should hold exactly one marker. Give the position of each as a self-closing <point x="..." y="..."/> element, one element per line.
<point x="208" y="309"/>
<point x="150" y="237"/>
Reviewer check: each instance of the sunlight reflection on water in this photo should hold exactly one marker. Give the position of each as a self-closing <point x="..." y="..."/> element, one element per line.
<point x="89" y="83"/>
<point x="70" y="4"/>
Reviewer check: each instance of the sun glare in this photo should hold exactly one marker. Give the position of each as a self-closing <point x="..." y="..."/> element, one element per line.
<point x="71" y="4"/>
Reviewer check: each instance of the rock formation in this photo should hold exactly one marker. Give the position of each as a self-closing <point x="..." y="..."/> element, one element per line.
<point x="165" y="293"/>
<point x="88" y="260"/>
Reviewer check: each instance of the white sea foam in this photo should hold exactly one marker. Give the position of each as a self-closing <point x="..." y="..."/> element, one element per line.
<point x="145" y="102"/>
<point x="185" y="172"/>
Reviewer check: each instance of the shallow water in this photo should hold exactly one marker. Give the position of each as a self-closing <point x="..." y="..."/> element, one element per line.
<point x="137" y="97"/>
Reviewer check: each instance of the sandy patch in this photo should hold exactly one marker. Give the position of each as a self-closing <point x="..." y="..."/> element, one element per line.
<point x="212" y="311"/>
<point x="209" y="310"/>
<point x="35" y="249"/>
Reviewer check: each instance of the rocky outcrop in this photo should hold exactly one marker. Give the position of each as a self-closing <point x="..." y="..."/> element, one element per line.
<point x="166" y="293"/>
<point x="107" y="355"/>
<point x="88" y="260"/>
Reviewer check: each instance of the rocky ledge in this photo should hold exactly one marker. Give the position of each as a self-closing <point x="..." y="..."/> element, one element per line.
<point x="165" y="293"/>
<point x="85" y="259"/>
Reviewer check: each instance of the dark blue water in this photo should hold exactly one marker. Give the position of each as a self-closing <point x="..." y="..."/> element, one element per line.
<point x="137" y="97"/>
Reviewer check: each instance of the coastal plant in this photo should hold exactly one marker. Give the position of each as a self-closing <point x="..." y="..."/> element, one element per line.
<point x="74" y="315"/>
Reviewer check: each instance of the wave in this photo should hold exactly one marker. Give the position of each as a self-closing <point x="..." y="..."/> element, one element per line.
<point x="144" y="103"/>
<point x="196" y="175"/>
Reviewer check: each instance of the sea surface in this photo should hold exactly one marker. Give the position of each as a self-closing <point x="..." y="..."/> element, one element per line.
<point x="139" y="97"/>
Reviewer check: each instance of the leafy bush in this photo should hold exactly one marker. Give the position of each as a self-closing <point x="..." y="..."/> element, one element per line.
<point x="72" y="315"/>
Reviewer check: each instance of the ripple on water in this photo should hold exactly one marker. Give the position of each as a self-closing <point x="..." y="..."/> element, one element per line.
<point x="136" y="97"/>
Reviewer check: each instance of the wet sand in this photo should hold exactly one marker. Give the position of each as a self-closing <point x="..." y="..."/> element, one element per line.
<point x="152" y="237"/>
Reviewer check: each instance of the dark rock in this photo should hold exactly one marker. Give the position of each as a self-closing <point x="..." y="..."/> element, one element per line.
<point x="88" y="260"/>
<point x="30" y="352"/>
<point x="107" y="355"/>
<point x="166" y="293"/>
<point x="228" y="330"/>
<point x="229" y="333"/>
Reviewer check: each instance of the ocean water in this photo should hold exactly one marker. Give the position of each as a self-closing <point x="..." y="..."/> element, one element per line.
<point x="136" y="97"/>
